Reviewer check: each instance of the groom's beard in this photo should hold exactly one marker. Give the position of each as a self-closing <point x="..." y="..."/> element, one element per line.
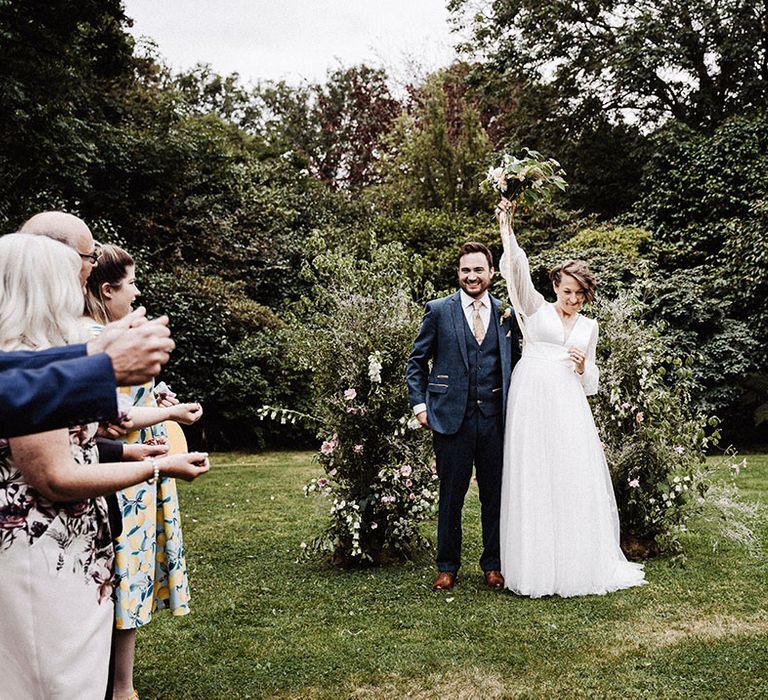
<point x="475" y="292"/>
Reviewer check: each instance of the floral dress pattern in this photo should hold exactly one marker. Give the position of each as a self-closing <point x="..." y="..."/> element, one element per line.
<point x="56" y="562"/>
<point x="150" y="565"/>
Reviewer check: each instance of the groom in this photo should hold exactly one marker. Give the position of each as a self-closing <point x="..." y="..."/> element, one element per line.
<point x="473" y="349"/>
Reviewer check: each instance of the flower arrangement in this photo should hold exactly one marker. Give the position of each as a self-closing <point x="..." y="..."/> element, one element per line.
<point x="377" y="474"/>
<point x="656" y="439"/>
<point x="527" y="180"/>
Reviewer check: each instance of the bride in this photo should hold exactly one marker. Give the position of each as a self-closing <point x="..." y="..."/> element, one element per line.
<point x="559" y="521"/>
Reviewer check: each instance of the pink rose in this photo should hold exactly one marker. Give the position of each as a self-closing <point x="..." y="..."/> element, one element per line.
<point x="408" y="483"/>
<point x="634" y="483"/>
<point x="406" y="470"/>
<point x="327" y="447"/>
<point x="640" y="417"/>
<point x="358" y="449"/>
<point x="350" y="395"/>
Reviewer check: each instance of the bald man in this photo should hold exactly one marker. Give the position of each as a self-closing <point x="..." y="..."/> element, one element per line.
<point x="70" y="230"/>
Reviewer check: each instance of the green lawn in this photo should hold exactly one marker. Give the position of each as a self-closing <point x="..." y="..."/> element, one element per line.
<point x="264" y="625"/>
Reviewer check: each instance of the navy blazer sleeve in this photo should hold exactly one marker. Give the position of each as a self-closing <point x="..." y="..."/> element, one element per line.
<point x="417" y="367"/>
<point x="32" y="359"/>
<point x="61" y="393"/>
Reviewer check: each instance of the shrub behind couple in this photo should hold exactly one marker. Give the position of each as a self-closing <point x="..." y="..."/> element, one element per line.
<point x="548" y="512"/>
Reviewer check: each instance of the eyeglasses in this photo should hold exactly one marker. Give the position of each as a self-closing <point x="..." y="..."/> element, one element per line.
<point x="93" y="257"/>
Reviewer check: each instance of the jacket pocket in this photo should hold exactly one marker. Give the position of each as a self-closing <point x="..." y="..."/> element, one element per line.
<point x="437" y="388"/>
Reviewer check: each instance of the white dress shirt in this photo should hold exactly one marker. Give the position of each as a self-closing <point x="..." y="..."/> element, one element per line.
<point x="469" y="309"/>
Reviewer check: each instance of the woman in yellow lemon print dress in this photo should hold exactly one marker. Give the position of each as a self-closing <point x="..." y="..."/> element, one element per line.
<point x="150" y="567"/>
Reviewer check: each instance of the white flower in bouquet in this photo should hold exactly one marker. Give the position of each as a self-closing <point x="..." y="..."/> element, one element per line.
<point x="527" y="180"/>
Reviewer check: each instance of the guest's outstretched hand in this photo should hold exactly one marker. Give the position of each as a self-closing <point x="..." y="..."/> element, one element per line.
<point x="186" y="413"/>
<point x="137" y="347"/>
<point x="138" y="452"/>
<point x="186" y="466"/>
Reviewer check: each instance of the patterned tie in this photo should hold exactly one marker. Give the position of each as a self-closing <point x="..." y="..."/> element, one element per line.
<point x="478" y="329"/>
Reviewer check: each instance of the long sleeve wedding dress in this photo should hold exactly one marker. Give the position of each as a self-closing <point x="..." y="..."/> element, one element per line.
<point x="559" y="521"/>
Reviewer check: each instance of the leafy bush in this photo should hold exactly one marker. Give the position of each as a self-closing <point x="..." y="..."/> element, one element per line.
<point x="359" y="327"/>
<point x="230" y="352"/>
<point x="656" y="437"/>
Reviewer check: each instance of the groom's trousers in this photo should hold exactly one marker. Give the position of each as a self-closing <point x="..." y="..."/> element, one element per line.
<point x="478" y="442"/>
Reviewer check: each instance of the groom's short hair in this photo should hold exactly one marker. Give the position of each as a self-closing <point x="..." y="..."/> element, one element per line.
<point x="474" y="247"/>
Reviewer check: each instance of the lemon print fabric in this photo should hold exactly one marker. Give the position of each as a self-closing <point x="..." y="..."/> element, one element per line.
<point x="150" y="567"/>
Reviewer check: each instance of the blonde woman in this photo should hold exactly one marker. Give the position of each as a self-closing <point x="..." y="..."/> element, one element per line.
<point x="150" y="567"/>
<point x="56" y="554"/>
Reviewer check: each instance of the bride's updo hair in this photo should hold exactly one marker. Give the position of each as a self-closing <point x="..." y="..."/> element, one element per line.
<point x="579" y="270"/>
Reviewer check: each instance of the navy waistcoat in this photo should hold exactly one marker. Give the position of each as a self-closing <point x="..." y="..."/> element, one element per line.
<point x="485" y="377"/>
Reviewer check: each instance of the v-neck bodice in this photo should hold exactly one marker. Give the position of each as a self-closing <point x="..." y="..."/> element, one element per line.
<point x="546" y="326"/>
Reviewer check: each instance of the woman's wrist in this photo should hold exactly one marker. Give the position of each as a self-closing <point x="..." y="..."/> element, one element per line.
<point x="155" y="467"/>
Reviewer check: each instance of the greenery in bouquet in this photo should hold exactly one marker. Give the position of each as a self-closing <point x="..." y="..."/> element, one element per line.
<point x="527" y="180"/>
<point x="656" y="438"/>
<point x="378" y="475"/>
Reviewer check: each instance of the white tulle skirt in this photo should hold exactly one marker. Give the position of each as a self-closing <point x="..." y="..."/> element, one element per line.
<point x="559" y="522"/>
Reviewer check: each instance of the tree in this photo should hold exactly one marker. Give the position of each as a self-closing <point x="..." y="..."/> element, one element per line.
<point x="438" y="148"/>
<point x="698" y="61"/>
<point x="704" y="200"/>
<point x="64" y="67"/>
<point x="337" y="128"/>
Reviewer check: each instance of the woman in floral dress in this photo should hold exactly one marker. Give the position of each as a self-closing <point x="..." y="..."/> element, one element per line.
<point x="56" y="555"/>
<point x="150" y="567"/>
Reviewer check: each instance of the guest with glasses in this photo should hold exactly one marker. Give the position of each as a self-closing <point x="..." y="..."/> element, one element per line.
<point x="70" y="230"/>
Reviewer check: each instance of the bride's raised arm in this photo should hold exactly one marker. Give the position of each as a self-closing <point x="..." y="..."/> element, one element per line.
<point x="514" y="266"/>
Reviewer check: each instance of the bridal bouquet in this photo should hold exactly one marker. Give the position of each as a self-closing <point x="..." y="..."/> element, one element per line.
<point x="527" y="180"/>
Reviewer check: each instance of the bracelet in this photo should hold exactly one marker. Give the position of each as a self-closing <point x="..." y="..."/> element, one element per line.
<point x="155" y="470"/>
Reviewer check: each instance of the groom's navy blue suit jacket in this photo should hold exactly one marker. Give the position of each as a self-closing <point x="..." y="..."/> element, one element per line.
<point x="441" y="339"/>
<point x="54" y="388"/>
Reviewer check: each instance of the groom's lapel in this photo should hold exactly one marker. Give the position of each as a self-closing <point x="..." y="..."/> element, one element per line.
<point x="458" y="325"/>
<point x="505" y="337"/>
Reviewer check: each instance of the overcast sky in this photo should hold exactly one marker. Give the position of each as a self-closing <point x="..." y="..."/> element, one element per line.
<point x="296" y="39"/>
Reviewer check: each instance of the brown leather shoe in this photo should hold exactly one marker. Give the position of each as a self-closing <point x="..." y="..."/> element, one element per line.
<point x="494" y="579"/>
<point x="444" y="581"/>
